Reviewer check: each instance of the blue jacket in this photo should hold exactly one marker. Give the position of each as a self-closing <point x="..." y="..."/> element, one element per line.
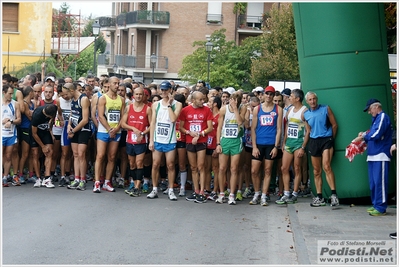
<point x="379" y="138"/>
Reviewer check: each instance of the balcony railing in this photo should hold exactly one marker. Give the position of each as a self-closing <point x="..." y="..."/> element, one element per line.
<point x="144" y="17"/>
<point x="106" y="22"/>
<point x="252" y="22"/>
<point x="214" y="18"/>
<point x="136" y="62"/>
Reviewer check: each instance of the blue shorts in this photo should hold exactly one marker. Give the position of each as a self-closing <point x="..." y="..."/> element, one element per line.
<point x="137" y="149"/>
<point x="65" y="141"/>
<point x="105" y="137"/>
<point x="164" y="147"/>
<point x="9" y="141"/>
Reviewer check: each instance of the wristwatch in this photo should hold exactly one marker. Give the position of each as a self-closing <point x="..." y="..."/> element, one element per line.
<point x="11" y="121"/>
<point x="142" y="134"/>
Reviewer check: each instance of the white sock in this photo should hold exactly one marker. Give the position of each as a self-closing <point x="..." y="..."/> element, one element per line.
<point x="183" y="179"/>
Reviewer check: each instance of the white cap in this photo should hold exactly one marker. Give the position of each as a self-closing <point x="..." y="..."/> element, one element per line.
<point x="229" y="90"/>
<point x="258" y="89"/>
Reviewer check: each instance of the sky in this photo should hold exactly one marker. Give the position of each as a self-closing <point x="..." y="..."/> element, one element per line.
<point x="96" y="8"/>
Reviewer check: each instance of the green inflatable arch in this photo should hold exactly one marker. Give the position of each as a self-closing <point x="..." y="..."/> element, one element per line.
<point x="342" y="51"/>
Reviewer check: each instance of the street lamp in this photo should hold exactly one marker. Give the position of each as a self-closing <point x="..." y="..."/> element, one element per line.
<point x="153" y="60"/>
<point x="96" y="31"/>
<point x="115" y="68"/>
<point x="209" y="47"/>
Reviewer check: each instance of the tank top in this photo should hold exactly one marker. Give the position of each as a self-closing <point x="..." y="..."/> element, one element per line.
<point x="266" y="128"/>
<point x="247" y="133"/>
<point x="25" y="121"/>
<point x="77" y="114"/>
<point x="8" y="111"/>
<point x="230" y="128"/>
<point x="112" y="113"/>
<point x="139" y="120"/>
<point x="295" y="128"/>
<point x="180" y="137"/>
<point x="318" y="121"/>
<point x="164" y="129"/>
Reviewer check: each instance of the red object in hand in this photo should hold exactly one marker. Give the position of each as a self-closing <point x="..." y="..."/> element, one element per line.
<point x="355" y="148"/>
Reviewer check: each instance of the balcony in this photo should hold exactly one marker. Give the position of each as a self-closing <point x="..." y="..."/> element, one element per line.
<point x="137" y="63"/>
<point x="216" y="19"/>
<point x="144" y="19"/>
<point x="250" y="25"/>
<point x="107" y="23"/>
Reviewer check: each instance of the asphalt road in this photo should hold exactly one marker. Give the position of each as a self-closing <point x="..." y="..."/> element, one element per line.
<point x="43" y="226"/>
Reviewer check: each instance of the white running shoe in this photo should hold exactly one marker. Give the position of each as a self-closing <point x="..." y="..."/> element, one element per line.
<point x="153" y="194"/>
<point x="38" y="183"/>
<point x="231" y="200"/>
<point x="48" y="183"/>
<point x="172" y="196"/>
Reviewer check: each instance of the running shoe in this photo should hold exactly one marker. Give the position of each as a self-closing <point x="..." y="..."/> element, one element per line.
<point x="377" y="213"/>
<point x="221" y="199"/>
<point x="97" y="187"/>
<point x="22" y="180"/>
<point x="200" y="199"/>
<point x="334" y="200"/>
<point x="145" y="188"/>
<point x="231" y="200"/>
<point x="293" y="199"/>
<point x="38" y="183"/>
<point x="108" y="187"/>
<point x="182" y="192"/>
<point x="32" y="179"/>
<point x="81" y="186"/>
<point x="370" y="209"/>
<point x="166" y="191"/>
<point x="163" y="185"/>
<point x="135" y="192"/>
<point x="239" y="196"/>
<point x="130" y="189"/>
<point x="305" y="193"/>
<point x="152" y="195"/>
<point x="212" y="196"/>
<point x="5" y="183"/>
<point x="392" y="235"/>
<point x="15" y="181"/>
<point x="263" y="202"/>
<point x="317" y="202"/>
<point x="255" y="200"/>
<point x="62" y="182"/>
<point x="192" y="197"/>
<point x="48" y="183"/>
<point x="284" y="200"/>
<point x="172" y="196"/>
<point x="121" y="182"/>
<point x="247" y="193"/>
<point x="74" y="184"/>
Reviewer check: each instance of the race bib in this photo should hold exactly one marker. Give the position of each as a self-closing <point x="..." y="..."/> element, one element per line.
<point x="231" y="130"/>
<point x="163" y="129"/>
<point x="113" y="116"/>
<point x="134" y="137"/>
<point x="266" y="120"/>
<point x="210" y="139"/>
<point x="65" y="114"/>
<point x="292" y="131"/>
<point x="178" y="135"/>
<point x="74" y="120"/>
<point x="195" y="127"/>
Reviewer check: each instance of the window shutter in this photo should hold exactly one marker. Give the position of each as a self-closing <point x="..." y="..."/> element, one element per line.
<point x="10" y="17"/>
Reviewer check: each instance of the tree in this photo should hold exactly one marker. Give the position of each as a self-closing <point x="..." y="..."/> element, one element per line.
<point x="279" y="58"/>
<point x="230" y="64"/>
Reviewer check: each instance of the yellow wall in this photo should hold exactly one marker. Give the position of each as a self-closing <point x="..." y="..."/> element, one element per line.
<point x="32" y="39"/>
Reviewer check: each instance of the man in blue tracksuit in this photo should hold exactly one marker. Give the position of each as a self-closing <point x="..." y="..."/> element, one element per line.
<point x="379" y="141"/>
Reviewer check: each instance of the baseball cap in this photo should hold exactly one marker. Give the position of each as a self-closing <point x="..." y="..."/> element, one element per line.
<point x="286" y="92"/>
<point x="258" y="89"/>
<point x="270" y="89"/>
<point x="229" y="90"/>
<point x="49" y="78"/>
<point x="165" y="85"/>
<point x="369" y="103"/>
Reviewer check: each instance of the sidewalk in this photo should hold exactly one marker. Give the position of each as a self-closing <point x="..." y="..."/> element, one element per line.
<point x="310" y="224"/>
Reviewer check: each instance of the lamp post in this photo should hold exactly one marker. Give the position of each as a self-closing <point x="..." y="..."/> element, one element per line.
<point x="153" y="60"/>
<point x="96" y="31"/>
<point x="208" y="47"/>
<point x="115" y="68"/>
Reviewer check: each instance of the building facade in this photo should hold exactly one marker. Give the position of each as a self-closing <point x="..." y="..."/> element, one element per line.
<point x="166" y="31"/>
<point x="26" y="33"/>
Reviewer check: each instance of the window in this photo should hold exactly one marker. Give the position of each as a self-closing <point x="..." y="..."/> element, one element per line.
<point x="214" y="12"/>
<point x="10" y="17"/>
<point x="254" y="14"/>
